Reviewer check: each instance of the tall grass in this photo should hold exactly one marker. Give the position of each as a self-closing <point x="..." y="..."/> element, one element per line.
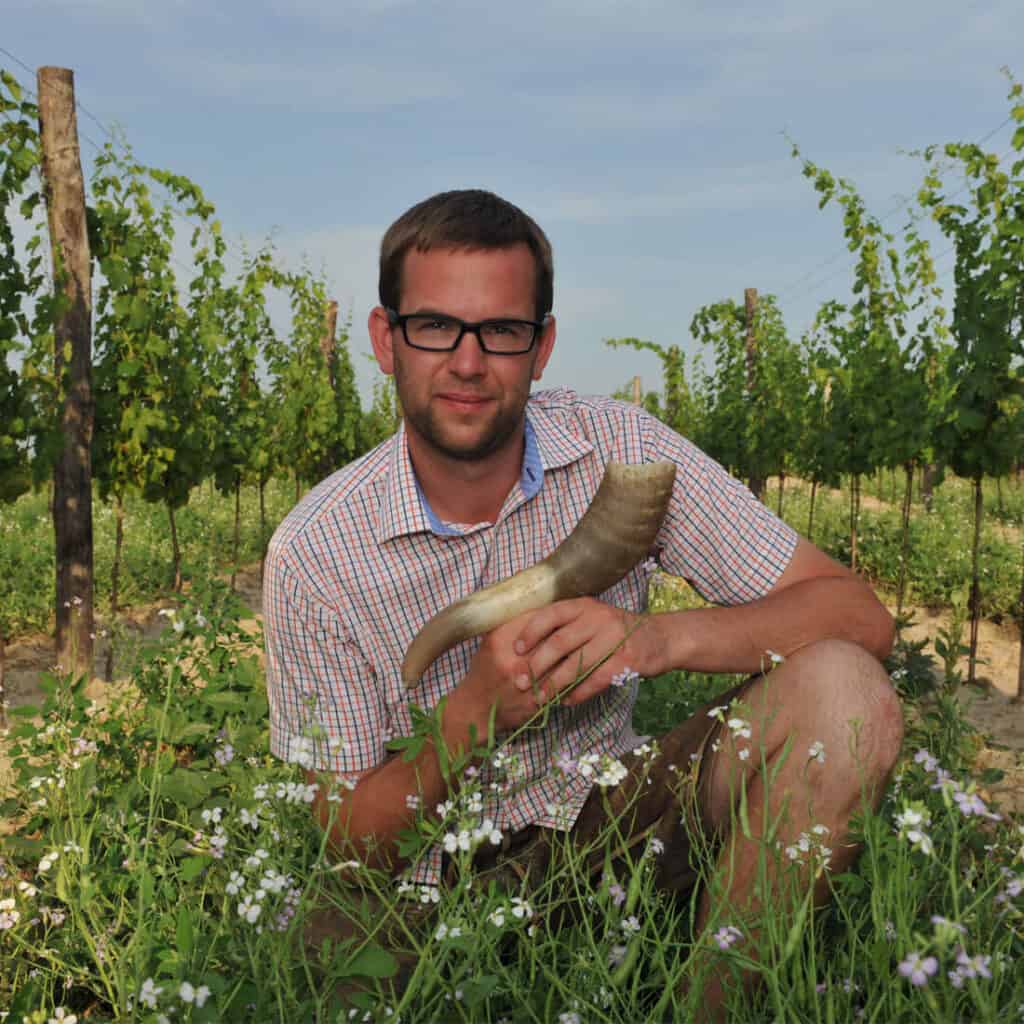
<point x="159" y="864"/>
<point x="205" y="531"/>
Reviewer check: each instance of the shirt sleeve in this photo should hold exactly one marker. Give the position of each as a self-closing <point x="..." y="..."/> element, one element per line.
<point x="326" y="711"/>
<point x="716" y="534"/>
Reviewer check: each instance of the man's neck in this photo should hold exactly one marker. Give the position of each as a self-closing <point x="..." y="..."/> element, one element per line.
<point x="467" y="491"/>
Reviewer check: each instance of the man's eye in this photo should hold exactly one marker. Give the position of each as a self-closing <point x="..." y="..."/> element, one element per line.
<point x="435" y="324"/>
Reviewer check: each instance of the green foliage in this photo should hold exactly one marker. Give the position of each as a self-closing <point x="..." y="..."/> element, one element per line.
<point x="751" y="413"/>
<point x="237" y="319"/>
<point x="204" y="532"/>
<point x="155" y="415"/>
<point x="144" y="824"/>
<point x="982" y="435"/>
<point x="874" y="367"/>
<point x="317" y="411"/>
<point x="939" y="553"/>
<point x="678" y="406"/>
<point x="381" y="420"/>
<point x="27" y="435"/>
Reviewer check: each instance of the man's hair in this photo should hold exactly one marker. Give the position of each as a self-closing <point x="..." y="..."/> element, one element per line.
<point x="464" y="219"/>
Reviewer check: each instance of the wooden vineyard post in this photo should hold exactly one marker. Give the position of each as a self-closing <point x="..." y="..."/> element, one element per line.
<point x="636" y="390"/>
<point x="64" y="188"/>
<point x="1020" y="621"/>
<point x="328" y="349"/>
<point x="327" y="341"/>
<point x="756" y="482"/>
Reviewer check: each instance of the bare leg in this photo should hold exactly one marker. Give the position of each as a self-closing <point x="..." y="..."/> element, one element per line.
<point x="832" y="694"/>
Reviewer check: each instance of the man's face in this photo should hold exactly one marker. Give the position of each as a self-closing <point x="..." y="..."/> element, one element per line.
<point x="465" y="404"/>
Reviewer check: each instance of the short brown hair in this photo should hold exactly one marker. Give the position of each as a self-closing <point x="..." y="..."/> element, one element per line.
<point x="463" y="219"/>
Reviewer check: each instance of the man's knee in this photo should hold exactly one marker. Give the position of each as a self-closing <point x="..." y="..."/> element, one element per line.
<point x="846" y="691"/>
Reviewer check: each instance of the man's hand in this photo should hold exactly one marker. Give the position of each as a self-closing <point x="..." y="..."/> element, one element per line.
<point x="497" y="676"/>
<point x="568" y="638"/>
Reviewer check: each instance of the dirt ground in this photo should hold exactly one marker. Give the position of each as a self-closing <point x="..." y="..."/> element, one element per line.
<point x="28" y="658"/>
<point x="988" y="707"/>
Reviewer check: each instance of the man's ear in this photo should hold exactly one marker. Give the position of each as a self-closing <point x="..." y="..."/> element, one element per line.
<point x="545" y="344"/>
<point x="381" y="338"/>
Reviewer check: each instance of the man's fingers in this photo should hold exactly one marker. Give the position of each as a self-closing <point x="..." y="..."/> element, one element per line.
<point x="584" y="661"/>
<point x="543" y="622"/>
<point x="564" y="646"/>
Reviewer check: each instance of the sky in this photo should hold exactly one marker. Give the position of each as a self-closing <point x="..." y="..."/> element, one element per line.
<point x="651" y="141"/>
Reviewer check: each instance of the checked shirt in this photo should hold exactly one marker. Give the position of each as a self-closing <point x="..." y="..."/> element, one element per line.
<point x="361" y="563"/>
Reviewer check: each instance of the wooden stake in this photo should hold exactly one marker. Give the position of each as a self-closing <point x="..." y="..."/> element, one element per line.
<point x="327" y="341"/>
<point x="756" y="483"/>
<point x="636" y="390"/>
<point x="1020" y="622"/>
<point x="64" y="188"/>
<point x="979" y="512"/>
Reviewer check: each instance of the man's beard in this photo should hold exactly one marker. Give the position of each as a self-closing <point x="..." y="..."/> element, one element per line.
<point x="498" y="434"/>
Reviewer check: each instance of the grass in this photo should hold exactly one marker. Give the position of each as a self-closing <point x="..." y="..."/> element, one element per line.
<point x="205" y="531"/>
<point x="938" y="567"/>
<point x="939" y="561"/>
<point x="160" y="858"/>
<point x="158" y="861"/>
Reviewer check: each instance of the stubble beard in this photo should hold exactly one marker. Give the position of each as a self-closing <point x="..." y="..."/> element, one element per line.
<point x="499" y="432"/>
<point x="428" y="425"/>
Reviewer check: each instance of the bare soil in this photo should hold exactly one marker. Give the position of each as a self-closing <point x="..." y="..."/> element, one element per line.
<point x="32" y="656"/>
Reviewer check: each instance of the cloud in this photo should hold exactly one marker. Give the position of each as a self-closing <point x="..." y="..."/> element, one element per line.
<point x="722" y="190"/>
<point x="346" y="85"/>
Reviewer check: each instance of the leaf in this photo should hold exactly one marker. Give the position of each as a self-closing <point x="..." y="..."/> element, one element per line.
<point x="22" y="846"/>
<point x="369" y="962"/>
<point x="225" y="701"/>
<point x="190" y="732"/>
<point x="184" y="932"/>
<point x="186" y="787"/>
<point x="850" y="883"/>
<point x="147" y="887"/>
<point x="25" y="711"/>
<point x="192" y="868"/>
<point x="25" y="1000"/>
<point x="476" y="990"/>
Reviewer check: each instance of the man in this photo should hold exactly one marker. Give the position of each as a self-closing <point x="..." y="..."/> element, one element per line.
<point x="483" y="480"/>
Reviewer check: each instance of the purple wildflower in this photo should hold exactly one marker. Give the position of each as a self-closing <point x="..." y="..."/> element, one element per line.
<point x="974" y="966"/>
<point x="918" y="969"/>
<point x="627" y="675"/>
<point x="726" y="936"/>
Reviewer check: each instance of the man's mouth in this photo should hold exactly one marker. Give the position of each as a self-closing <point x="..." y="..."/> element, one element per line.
<point x="464" y="401"/>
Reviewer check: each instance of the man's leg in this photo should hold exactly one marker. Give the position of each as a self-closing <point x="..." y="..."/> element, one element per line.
<point x="821" y="732"/>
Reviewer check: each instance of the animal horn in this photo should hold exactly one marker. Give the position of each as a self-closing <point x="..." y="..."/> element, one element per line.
<point x="616" y="532"/>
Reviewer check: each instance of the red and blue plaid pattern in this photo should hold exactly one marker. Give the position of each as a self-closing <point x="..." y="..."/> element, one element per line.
<point x="355" y="570"/>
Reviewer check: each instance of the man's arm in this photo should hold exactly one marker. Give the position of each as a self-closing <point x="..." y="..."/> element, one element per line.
<point x="814" y="599"/>
<point x="365" y="821"/>
<point x="376" y="808"/>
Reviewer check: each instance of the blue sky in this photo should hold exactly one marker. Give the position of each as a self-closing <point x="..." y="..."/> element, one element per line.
<point x="646" y="138"/>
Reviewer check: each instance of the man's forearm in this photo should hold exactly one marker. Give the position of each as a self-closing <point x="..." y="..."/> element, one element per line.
<point x="365" y="822"/>
<point x="737" y="638"/>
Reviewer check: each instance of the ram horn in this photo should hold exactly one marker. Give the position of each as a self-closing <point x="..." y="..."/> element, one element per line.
<point x="614" y="534"/>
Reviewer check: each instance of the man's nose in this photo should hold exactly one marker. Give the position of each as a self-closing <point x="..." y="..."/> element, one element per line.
<point x="469" y="358"/>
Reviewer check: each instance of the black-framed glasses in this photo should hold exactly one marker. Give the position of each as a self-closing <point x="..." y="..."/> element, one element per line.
<point x="437" y="332"/>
